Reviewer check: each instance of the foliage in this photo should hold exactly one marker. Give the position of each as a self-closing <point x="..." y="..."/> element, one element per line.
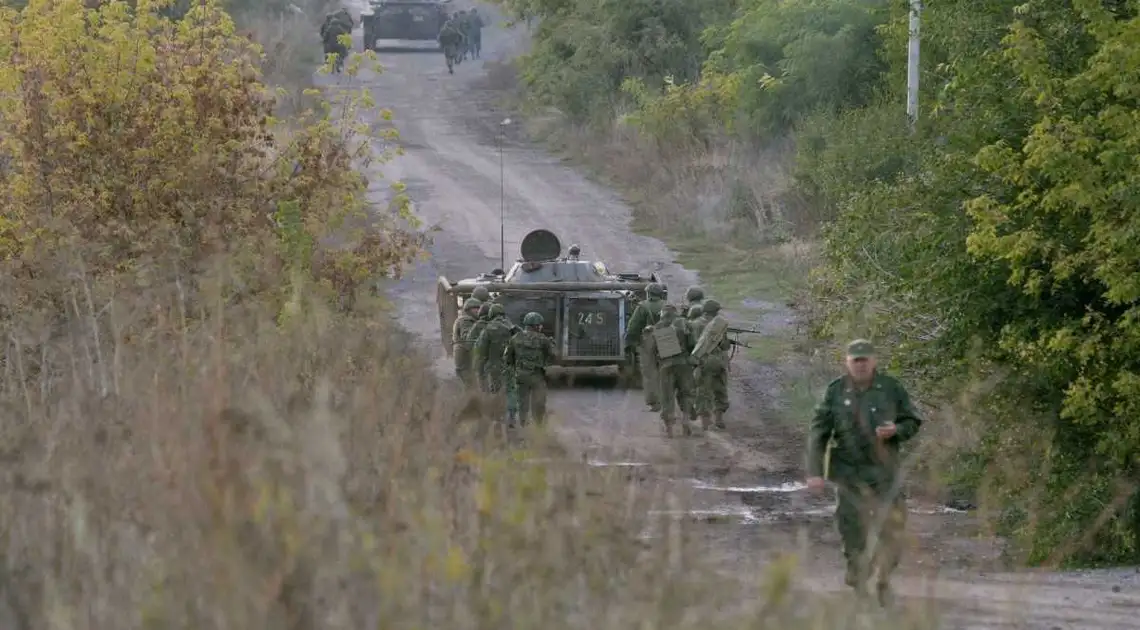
<point x="140" y="147"/>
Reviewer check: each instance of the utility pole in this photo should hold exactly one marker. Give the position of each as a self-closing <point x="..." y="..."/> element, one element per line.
<point x="502" y="198"/>
<point x="912" y="65"/>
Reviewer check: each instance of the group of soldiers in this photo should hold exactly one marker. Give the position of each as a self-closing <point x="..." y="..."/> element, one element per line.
<point x="678" y="371"/>
<point x="462" y="36"/>
<point x="504" y="361"/>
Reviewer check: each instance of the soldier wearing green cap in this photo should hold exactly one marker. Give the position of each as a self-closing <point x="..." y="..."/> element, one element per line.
<point x="462" y="348"/>
<point x="865" y="415"/>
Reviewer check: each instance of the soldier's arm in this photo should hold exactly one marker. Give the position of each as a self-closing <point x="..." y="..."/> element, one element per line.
<point x="456" y="331"/>
<point x="907" y="420"/>
<point x="636" y="324"/>
<point x="819" y="434"/>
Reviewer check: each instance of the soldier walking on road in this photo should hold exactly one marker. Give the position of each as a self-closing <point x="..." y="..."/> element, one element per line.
<point x="460" y="347"/>
<point x="638" y="344"/>
<point x="489" y="364"/>
<point x="451" y="40"/>
<point x="866" y="415"/>
<point x="477" y="328"/>
<point x="528" y="354"/>
<point x="673" y="341"/>
<point x="475" y="26"/>
<point x="711" y="372"/>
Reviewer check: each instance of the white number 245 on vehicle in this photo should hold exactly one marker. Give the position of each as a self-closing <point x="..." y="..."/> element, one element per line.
<point x="592" y="319"/>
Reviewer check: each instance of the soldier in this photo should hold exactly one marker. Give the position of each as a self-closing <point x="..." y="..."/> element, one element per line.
<point x="674" y="343"/>
<point x="451" y="40"/>
<point x="489" y="349"/>
<point x="461" y="21"/>
<point x="694" y="297"/>
<point x="475" y="26"/>
<point x="477" y="328"/>
<point x="711" y="372"/>
<point x="868" y="415"/>
<point x="527" y="355"/>
<point x="645" y="315"/>
<point x="574" y="252"/>
<point x="461" y="348"/>
<point x="335" y="25"/>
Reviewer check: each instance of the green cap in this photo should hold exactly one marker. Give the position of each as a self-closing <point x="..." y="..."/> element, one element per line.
<point x="860" y="349"/>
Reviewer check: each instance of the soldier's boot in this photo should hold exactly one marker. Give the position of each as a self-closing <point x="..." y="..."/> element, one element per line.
<point x="718" y="420"/>
<point x="668" y="422"/>
<point x="885" y="593"/>
<point x="855" y="579"/>
<point x="706" y="421"/>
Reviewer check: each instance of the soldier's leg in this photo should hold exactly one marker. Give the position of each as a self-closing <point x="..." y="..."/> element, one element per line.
<point x="522" y="389"/>
<point x="538" y="398"/>
<point x="888" y="550"/>
<point x="650" y="380"/>
<point x="666" y="390"/>
<point x="512" y="396"/>
<point x="702" y="396"/>
<point x="718" y="390"/>
<point x="685" y="397"/>
<point x="851" y="519"/>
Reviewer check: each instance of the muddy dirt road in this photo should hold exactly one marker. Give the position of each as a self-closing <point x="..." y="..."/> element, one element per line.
<point x="744" y="482"/>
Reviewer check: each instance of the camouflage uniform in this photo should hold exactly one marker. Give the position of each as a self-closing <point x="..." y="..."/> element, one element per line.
<point x="477" y="328"/>
<point x="475" y="26"/>
<point x="864" y="467"/>
<point x="461" y="348"/>
<point x="675" y="374"/>
<point x="451" y="39"/>
<point x="489" y="364"/>
<point x="527" y="355"/>
<point x="638" y="344"/>
<point x="711" y="374"/>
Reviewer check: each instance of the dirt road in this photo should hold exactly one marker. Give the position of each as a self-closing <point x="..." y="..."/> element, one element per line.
<point x="743" y="483"/>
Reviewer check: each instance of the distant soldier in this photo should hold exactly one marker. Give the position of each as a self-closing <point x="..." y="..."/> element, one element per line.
<point x="335" y="25"/>
<point x="674" y="341"/>
<point x="528" y="354"/>
<point x="477" y="328"/>
<point x="451" y="40"/>
<point x="867" y="415"/>
<point x="475" y="26"/>
<point x="461" y="349"/>
<point x="462" y="19"/>
<point x="637" y="342"/>
<point x="489" y="363"/>
<point x="574" y="252"/>
<point x="711" y="372"/>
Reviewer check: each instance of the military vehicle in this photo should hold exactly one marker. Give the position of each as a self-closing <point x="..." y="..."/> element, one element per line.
<point x="584" y="306"/>
<point x="403" y="20"/>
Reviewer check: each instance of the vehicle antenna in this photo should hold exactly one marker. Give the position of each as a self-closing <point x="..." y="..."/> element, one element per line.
<point x="502" y="198"/>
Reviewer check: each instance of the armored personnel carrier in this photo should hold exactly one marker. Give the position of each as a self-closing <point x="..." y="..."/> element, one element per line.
<point x="585" y="307"/>
<point x="403" y="20"/>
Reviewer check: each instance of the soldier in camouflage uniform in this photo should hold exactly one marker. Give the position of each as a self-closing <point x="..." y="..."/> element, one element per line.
<point x="711" y="373"/>
<point x="489" y="363"/>
<point x="675" y="372"/>
<point x="695" y="296"/>
<point x="638" y="343"/>
<point x="462" y="349"/>
<point x="477" y="328"/>
<point x="528" y="354"/>
<point x="866" y="415"/>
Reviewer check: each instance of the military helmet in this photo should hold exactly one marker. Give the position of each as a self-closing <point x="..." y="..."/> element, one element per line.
<point x="497" y="310"/>
<point x="532" y="319"/>
<point x="484" y="309"/>
<point x="669" y="309"/>
<point x="481" y="294"/>
<point x="694" y="294"/>
<point x="694" y="312"/>
<point x="655" y="290"/>
<point x="471" y="303"/>
<point x="710" y="306"/>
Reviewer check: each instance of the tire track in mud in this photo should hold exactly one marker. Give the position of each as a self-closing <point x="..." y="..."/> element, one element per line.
<point x="740" y="486"/>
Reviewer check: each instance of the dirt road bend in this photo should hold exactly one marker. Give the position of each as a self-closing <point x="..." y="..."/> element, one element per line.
<point x="743" y="483"/>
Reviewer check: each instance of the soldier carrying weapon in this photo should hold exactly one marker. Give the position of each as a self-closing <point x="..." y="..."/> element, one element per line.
<point x="712" y="354"/>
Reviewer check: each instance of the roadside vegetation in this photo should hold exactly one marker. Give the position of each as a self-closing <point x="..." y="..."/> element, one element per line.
<point x="992" y="252"/>
<point x="199" y="431"/>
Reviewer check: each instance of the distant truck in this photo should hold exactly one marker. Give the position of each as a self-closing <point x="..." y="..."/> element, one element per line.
<point x="403" y="20"/>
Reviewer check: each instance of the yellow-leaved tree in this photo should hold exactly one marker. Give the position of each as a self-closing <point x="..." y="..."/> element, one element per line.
<point x="136" y="148"/>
